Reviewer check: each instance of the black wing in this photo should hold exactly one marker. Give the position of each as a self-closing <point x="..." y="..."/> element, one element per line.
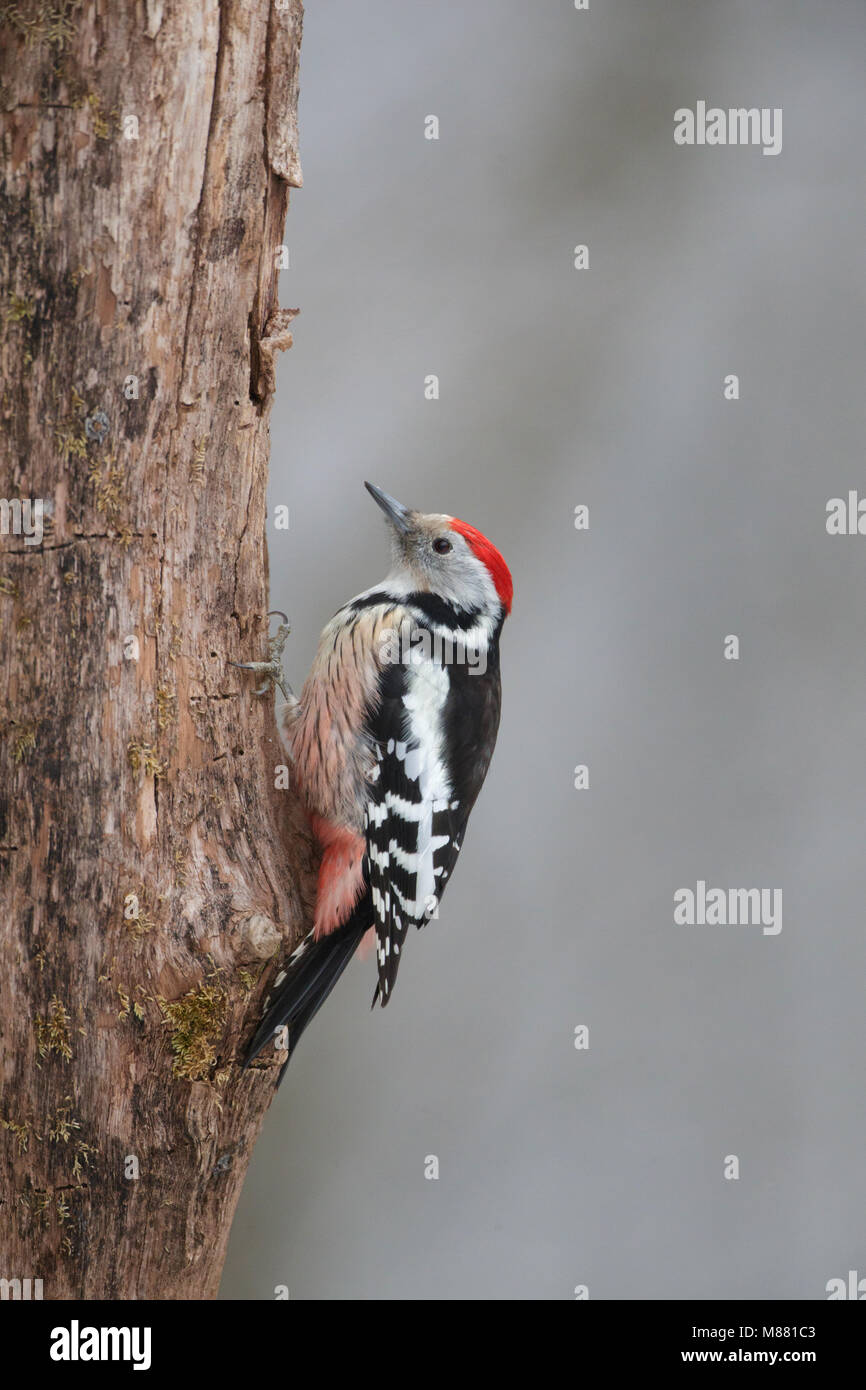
<point x="433" y="732"/>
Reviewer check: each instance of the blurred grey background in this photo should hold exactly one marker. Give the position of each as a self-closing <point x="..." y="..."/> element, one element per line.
<point x="603" y="1167"/>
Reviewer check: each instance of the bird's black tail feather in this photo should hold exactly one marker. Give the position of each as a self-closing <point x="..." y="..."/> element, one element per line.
<point x="313" y="970"/>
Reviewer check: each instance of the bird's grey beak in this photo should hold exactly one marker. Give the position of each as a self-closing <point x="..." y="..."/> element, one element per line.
<point x="399" y="516"/>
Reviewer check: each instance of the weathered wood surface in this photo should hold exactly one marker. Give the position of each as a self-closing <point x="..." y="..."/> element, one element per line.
<point x="149" y="870"/>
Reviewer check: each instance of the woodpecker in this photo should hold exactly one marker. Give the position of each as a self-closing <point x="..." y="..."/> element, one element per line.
<point x="390" y="742"/>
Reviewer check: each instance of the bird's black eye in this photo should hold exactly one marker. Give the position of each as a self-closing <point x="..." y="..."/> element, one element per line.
<point x="442" y="546"/>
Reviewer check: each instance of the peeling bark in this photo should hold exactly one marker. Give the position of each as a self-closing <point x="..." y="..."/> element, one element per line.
<point x="150" y="875"/>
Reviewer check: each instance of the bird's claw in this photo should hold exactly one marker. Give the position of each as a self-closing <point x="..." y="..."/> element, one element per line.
<point x="272" y="669"/>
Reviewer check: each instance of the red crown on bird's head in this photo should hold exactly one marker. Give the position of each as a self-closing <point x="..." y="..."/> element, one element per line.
<point x="489" y="556"/>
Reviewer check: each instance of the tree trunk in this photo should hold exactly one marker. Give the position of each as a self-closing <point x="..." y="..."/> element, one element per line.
<point x="150" y="871"/>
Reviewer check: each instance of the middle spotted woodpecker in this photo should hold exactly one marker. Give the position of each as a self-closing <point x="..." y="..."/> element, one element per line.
<point x="390" y="742"/>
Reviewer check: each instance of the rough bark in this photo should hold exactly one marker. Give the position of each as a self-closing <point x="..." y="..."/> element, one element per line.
<point x="151" y="875"/>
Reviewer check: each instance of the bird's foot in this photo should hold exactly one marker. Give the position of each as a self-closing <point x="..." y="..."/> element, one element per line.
<point x="272" y="669"/>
